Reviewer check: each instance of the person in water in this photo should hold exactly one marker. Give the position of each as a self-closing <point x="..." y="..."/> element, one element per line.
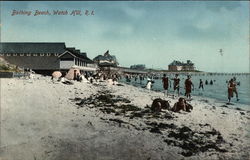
<point x="235" y="89"/>
<point x="188" y="86"/>
<point x="128" y="78"/>
<point x="176" y="84"/>
<point x="149" y="84"/>
<point x="206" y="82"/>
<point x="165" y="84"/>
<point x="136" y="78"/>
<point x="211" y="82"/>
<point x="141" y="78"/>
<point x="201" y="85"/>
<point x="230" y="90"/>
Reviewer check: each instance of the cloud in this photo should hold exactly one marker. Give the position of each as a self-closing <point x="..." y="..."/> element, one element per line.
<point x="219" y="5"/>
<point x="209" y="25"/>
<point x="134" y="12"/>
<point x="192" y="32"/>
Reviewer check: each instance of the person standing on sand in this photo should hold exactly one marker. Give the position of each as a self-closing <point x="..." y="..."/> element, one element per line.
<point x="188" y="86"/>
<point x="165" y="84"/>
<point x="176" y="84"/>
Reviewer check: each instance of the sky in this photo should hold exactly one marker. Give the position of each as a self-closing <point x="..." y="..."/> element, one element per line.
<point x="150" y="33"/>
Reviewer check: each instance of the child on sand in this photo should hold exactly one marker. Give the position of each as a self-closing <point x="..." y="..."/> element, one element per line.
<point x="188" y="86"/>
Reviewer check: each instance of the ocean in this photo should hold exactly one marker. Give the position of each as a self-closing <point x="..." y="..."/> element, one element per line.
<point x="217" y="91"/>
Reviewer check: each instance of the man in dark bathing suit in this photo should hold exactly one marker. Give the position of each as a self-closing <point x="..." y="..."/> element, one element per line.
<point x="176" y="84"/>
<point x="230" y="90"/>
<point x="235" y="89"/>
<point x="232" y="85"/>
<point x="188" y="86"/>
<point x="165" y="84"/>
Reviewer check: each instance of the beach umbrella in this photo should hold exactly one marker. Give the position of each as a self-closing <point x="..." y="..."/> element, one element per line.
<point x="56" y="74"/>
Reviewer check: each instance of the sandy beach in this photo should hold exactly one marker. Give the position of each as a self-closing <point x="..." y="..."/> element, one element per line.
<point x="42" y="120"/>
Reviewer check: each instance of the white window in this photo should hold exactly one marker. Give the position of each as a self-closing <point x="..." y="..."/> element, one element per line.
<point x="14" y="54"/>
<point x="48" y="54"/>
<point x="8" y="54"/>
<point x="28" y="54"/>
<point x="56" y="54"/>
<point x="34" y="54"/>
<point x="41" y="54"/>
<point x="1" y="54"/>
<point x="21" y="54"/>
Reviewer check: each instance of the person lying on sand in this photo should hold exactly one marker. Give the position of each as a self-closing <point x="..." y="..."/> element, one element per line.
<point x="182" y="105"/>
<point x="159" y="104"/>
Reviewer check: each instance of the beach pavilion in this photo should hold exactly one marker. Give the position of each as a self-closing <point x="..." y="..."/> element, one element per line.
<point x="45" y="57"/>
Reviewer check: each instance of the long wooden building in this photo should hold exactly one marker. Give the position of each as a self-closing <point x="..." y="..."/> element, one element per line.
<point x="45" y="57"/>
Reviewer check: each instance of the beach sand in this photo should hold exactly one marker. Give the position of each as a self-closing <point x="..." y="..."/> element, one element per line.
<point x="42" y="120"/>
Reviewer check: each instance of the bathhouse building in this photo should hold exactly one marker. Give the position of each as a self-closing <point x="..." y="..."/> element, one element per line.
<point x="45" y="58"/>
